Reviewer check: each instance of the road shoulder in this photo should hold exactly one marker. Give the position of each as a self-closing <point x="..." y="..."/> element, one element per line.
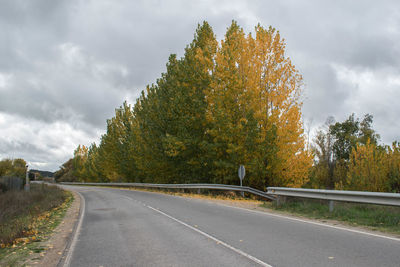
<point x="56" y="246"/>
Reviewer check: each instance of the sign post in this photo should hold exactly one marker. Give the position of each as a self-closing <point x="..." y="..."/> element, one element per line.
<point x="27" y="185"/>
<point x="241" y="173"/>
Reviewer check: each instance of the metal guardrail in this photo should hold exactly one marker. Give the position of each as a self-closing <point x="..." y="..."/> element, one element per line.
<point x="186" y="186"/>
<point x="390" y="199"/>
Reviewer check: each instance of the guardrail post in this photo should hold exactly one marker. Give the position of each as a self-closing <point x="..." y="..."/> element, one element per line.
<point x="331" y="205"/>
<point x="241" y="192"/>
<point x="198" y="191"/>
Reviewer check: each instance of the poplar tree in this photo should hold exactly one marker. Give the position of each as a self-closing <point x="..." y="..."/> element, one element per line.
<point x="171" y="116"/>
<point x="219" y="106"/>
<point x="92" y="173"/>
<point x="254" y="111"/>
<point x="393" y="159"/>
<point x="78" y="162"/>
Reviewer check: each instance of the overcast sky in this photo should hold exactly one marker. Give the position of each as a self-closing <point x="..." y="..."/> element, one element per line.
<point x="66" y="65"/>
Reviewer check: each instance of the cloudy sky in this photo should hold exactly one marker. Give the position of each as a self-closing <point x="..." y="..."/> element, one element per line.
<point x="66" y="65"/>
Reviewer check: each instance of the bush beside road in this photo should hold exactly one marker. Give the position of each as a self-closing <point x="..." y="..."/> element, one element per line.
<point x="27" y="218"/>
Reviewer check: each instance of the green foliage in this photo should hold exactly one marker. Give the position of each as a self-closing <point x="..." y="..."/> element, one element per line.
<point x="351" y="132"/>
<point x="13" y="167"/>
<point x="393" y="161"/>
<point x="171" y="117"/>
<point x="348" y="156"/>
<point x="231" y="103"/>
<point x="66" y="173"/>
<point x="6" y="167"/>
<point x="219" y="106"/>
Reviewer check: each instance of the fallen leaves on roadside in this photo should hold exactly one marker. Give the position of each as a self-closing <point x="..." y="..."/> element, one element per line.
<point x="32" y="232"/>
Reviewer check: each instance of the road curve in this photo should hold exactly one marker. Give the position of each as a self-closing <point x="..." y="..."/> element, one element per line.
<point x="136" y="228"/>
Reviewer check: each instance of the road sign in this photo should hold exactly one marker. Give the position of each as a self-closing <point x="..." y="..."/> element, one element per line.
<point x="242" y="172"/>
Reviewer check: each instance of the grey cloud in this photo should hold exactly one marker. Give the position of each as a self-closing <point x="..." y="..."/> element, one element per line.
<point x="29" y="152"/>
<point x="6" y="146"/>
<point x="360" y="35"/>
<point x="324" y="94"/>
<point x="122" y="46"/>
<point x="62" y="91"/>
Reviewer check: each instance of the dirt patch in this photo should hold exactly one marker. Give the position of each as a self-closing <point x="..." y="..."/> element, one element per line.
<point x="56" y="245"/>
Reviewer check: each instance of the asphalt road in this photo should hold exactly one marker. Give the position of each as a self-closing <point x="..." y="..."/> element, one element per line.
<point x="136" y="228"/>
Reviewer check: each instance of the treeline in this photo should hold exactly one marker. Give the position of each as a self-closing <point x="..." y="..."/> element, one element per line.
<point x="231" y="103"/>
<point x="12" y="174"/>
<point x="348" y="156"/>
<point x="221" y="105"/>
<point x="41" y="174"/>
<point x="13" y="167"/>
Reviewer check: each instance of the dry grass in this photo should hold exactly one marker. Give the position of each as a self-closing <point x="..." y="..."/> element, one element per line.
<point x="375" y="217"/>
<point x="19" y="210"/>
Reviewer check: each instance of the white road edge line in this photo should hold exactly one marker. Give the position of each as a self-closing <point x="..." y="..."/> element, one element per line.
<point x="254" y="259"/>
<point x="289" y="218"/>
<point x="77" y="232"/>
<point x="311" y="222"/>
<point x="286" y="217"/>
<point x="293" y="219"/>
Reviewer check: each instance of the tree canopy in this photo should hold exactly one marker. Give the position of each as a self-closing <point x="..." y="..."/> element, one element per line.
<point x="220" y="105"/>
<point x="230" y="103"/>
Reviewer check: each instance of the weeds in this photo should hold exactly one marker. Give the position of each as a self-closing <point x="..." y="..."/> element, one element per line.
<point x="21" y="212"/>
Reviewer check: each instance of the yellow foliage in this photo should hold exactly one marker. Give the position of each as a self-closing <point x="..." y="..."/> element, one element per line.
<point x="252" y="77"/>
<point x="221" y="105"/>
<point x="368" y="169"/>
